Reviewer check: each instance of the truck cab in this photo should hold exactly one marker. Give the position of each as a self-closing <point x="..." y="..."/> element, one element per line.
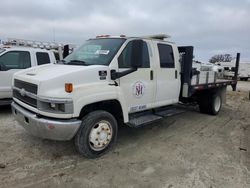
<point x="105" y="82"/>
<point x="14" y="59"/>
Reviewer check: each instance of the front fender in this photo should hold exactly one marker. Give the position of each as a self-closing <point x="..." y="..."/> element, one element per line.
<point x="97" y="92"/>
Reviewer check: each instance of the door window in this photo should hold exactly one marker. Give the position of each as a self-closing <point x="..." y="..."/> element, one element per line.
<point x="166" y="56"/>
<point x="15" y="60"/>
<point x="124" y="59"/>
<point x="42" y="58"/>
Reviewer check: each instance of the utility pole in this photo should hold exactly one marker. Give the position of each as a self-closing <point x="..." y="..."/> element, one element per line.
<point x="237" y="64"/>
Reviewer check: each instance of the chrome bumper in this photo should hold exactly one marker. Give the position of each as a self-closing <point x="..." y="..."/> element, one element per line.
<point x="43" y="127"/>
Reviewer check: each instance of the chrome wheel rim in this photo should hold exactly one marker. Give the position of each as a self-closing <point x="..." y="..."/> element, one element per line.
<point x="100" y="135"/>
<point x="217" y="103"/>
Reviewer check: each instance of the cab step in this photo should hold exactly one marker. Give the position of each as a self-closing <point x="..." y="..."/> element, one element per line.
<point x="169" y="111"/>
<point x="139" y="120"/>
<point x="144" y="118"/>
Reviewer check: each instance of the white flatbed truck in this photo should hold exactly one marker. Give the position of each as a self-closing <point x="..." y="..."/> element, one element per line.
<point x="110" y="81"/>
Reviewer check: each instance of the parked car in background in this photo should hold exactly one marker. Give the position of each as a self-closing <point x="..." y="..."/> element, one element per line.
<point x="17" y="54"/>
<point x="14" y="59"/>
<point x="229" y="68"/>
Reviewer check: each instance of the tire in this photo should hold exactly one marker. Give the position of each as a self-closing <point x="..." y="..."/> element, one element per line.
<point x="98" y="132"/>
<point x="215" y="103"/>
<point x="203" y="105"/>
<point x="210" y="103"/>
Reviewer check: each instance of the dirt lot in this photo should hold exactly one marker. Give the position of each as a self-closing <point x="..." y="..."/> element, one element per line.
<point x="187" y="150"/>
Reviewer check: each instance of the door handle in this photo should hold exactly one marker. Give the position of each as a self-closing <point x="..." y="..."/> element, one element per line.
<point x="176" y="74"/>
<point x="151" y="75"/>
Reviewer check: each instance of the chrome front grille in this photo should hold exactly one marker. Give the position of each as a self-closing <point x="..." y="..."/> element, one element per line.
<point x="25" y="92"/>
<point x="32" y="88"/>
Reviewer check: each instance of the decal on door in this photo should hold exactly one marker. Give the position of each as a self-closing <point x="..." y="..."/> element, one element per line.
<point x="138" y="89"/>
<point x="137" y="108"/>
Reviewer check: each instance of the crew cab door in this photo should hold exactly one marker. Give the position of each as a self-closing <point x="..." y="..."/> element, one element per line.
<point x="137" y="87"/>
<point x="11" y="62"/>
<point x="167" y="74"/>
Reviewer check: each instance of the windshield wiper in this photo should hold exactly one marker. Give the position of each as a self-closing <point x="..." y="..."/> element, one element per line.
<point x="77" y="62"/>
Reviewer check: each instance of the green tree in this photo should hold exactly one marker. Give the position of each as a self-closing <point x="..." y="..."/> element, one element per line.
<point x="221" y="58"/>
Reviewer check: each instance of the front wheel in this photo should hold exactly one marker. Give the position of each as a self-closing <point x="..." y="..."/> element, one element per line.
<point x="98" y="132"/>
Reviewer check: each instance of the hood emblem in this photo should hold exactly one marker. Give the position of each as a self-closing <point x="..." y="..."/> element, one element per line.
<point x="22" y="92"/>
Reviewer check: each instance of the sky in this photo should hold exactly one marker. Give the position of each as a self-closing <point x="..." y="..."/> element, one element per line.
<point x="211" y="26"/>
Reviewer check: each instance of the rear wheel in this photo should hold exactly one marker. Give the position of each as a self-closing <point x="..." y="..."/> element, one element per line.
<point x="210" y="103"/>
<point x="203" y="105"/>
<point x="97" y="134"/>
<point x="215" y="104"/>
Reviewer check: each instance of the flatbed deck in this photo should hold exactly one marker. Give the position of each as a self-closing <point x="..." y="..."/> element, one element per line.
<point x="218" y="83"/>
<point x="193" y="80"/>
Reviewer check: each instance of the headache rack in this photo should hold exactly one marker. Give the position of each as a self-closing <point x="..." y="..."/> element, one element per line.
<point x="193" y="80"/>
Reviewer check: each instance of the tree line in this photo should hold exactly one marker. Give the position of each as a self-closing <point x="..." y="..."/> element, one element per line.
<point x="221" y="58"/>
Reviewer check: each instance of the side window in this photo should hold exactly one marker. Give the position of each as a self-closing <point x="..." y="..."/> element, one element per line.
<point x="124" y="59"/>
<point x="42" y="58"/>
<point x="15" y="60"/>
<point x="166" y="56"/>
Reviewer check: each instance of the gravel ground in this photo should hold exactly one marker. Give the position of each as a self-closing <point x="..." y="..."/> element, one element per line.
<point x="187" y="150"/>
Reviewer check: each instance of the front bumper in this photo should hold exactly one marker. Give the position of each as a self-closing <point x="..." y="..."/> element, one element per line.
<point x="45" y="127"/>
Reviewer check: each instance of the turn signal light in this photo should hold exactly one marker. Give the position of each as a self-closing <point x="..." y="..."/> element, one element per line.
<point x="68" y="87"/>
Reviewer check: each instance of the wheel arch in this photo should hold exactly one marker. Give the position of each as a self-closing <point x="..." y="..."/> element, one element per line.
<point x="112" y="106"/>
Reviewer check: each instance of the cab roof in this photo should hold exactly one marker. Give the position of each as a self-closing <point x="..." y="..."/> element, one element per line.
<point x="20" y="48"/>
<point x="155" y="37"/>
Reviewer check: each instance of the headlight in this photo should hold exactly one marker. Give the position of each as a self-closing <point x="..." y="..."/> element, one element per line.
<point x="62" y="106"/>
<point x="57" y="106"/>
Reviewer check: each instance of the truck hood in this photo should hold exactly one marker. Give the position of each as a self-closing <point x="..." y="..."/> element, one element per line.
<point x="52" y="71"/>
<point x="52" y="77"/>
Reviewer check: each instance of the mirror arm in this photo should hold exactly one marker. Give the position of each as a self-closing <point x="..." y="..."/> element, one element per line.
<point x="115" y="75"/>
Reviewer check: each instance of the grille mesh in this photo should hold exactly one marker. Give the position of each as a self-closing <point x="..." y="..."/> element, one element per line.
<point x="29" y="87"/>
<point x="32" y="88"/>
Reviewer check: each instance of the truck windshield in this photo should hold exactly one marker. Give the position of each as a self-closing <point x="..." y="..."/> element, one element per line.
<point x="95" y="52"/>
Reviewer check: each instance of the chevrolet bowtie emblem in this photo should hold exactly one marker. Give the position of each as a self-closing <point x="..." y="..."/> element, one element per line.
<point x="23" y="92"/>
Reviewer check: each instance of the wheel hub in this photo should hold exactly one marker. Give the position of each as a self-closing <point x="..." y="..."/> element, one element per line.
<point x="100" y="135"/>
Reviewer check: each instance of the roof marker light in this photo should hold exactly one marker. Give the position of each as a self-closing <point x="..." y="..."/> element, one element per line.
<point x="102" y="36"/>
